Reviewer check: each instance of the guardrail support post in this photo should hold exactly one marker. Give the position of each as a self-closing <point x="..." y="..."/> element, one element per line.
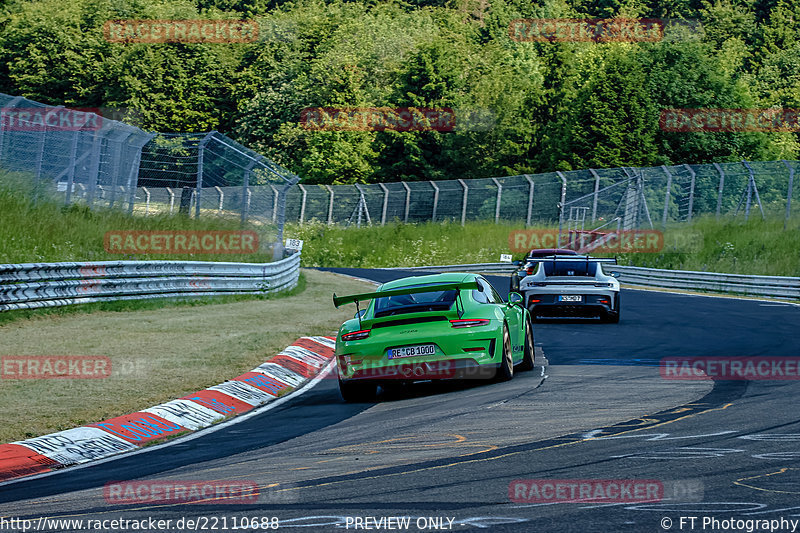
<point x="385" y="203"/>
<point x="497" y="203"/>
<point x="435" y="200"/>
<point x="408" y="201"/>
<point x="531" y="185"/>
<point x="789" y="193"/>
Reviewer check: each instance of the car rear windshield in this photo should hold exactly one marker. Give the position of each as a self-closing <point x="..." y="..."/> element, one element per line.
<point x="570" y="268"/>
<point x="415" y="303"/>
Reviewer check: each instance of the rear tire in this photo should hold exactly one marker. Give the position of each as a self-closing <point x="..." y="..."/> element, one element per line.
<point x="355" y="392"/>
<point x="613" y="317"/>
<point x="528" y="352"/>
<point x="513" y="286"/>
<point x="506" y="370"/>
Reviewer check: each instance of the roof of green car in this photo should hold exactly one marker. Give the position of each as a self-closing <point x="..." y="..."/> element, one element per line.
<point x="449" y="277"/>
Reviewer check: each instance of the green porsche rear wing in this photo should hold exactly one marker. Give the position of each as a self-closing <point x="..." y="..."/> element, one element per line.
<point x="355" y="298"/>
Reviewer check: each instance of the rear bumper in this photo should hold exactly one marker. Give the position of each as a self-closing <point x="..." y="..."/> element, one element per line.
<point x="445" y="369"/>
<point x="592" y="304"/>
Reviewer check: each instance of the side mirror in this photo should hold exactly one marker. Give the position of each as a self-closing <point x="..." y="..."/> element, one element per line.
<point x="514" y="298"/>
<point x="615" y="274"/>
<point x="360" y="313"/>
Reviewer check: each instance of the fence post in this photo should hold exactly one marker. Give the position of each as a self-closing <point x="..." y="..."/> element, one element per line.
<point x="302" y="202"/>
<point x="691" y="193"/>
<point x="789" y="193"/>
<point x="171" y="199"/>
<point x="73" y="154"/>
<point x="752" y="187"/>
<point x="274" y="203"/>
<point x="201" y="148"/>
<point x="666" y="195"/>
<point x="408" y="200"/>
<point x="497" y="203"/>
<point x="435" y="200"/>
<point x="146" y="201"/>
<point x="464" y="200"/>
<point x="9" y="105"/>
<point x="385" y="203"/>
<point x="596" y="193"/>
<point x="330" y="204"/>
<point x="721" y="186"/>
<point x="94" y="165"/>
<point x="221" y="198"/>
<point x="39" y="161"/>
<point x="245" y="209"/>
<point x="530" y="199"/>
<point x="115" y="171"/>
<point x="561" y="205"/>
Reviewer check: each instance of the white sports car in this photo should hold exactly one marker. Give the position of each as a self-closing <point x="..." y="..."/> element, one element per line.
<point x="566" y="286"/>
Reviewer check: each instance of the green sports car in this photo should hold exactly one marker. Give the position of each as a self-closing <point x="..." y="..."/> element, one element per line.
<point x="441" y="326"/>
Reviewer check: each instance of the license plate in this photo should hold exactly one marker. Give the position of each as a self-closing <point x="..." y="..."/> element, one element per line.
<point x="570" y="298"/>
<point x="411" y="351"/>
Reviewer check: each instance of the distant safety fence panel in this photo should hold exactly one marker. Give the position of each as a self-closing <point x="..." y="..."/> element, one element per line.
<point x="35" y="285"/>
<point x="622" y="198"/>
<point x="84" y="157"/>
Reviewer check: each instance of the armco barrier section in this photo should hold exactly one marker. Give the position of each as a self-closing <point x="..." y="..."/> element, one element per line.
<point x="275" y="378"/>
<point x="33" y="285"/>
<point x="776" y="286"/>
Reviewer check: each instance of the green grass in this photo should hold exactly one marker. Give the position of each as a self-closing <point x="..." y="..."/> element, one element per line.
<point x="732" y="246"/>
<point x="36" y="228"/>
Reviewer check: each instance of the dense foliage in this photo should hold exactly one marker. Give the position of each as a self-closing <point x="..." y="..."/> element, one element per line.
<point x="554" y="106"/>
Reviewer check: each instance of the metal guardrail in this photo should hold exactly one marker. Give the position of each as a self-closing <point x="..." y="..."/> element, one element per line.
<point x="777" y="286"/>
<point x="35" y="285"/>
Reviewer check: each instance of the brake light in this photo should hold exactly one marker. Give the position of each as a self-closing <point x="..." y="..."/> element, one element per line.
<point x="478" y="349"/>
<point x="468" y="322"/>
<point x="529" y="271"/>
<point x="356" y="335"/>
<point x="534" y="301"/>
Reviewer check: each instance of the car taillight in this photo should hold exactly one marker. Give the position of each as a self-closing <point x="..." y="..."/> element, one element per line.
<point x="468" y="322"/>
<point x="529" y="271"/>
<point x="356" y="335"/>
<point x="534" y="301"/>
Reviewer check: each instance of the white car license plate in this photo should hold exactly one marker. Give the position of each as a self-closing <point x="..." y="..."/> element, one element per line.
<point x="411" y="351"/>
<point x="570" y="298"/>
